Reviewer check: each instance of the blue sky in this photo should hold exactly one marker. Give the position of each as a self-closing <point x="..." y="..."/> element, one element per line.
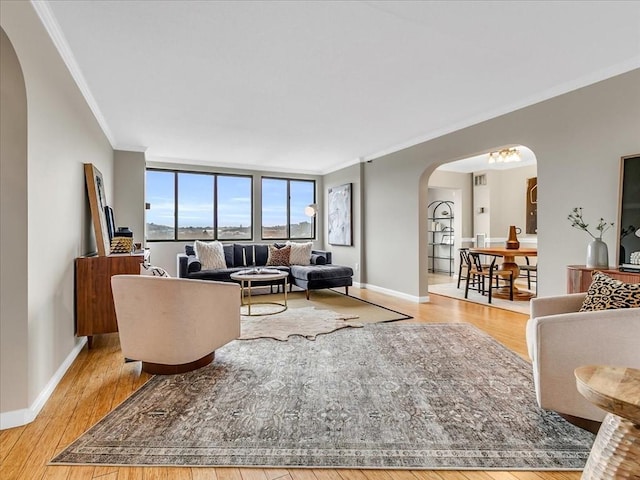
<point x="234" y="197"/>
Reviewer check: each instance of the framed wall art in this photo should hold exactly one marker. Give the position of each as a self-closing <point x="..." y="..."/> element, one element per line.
<point x="629" y="213"/>
<point x="340" y="215"/>
<point x="97" y="203"/>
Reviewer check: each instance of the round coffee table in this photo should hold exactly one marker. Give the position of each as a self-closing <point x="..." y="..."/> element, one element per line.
<point x="616" y="451"/>
<point x="248" y="277"/>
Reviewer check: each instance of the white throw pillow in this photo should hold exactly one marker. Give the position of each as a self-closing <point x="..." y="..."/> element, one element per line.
<point x="210" y="254"/>
<point x="300" y="253"/>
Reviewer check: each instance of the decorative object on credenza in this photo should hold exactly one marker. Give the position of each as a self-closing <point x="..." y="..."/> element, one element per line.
<point x="512" y="241"/>
<point x="122" y="241"/>
<point x="340" y="215"/>
<point x="97" y="203"/>
<point x="122" y="245"/>
<point x="597" y="251"/>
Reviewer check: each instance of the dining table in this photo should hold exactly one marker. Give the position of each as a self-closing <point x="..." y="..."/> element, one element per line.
<point x="509" y="263"/>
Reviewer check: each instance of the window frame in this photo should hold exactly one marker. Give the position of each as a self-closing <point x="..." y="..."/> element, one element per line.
<point x="288" y="226"/>
<point x="215" y="176"/>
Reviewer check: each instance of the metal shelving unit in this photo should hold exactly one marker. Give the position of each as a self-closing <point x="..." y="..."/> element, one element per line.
<point x="441" y="239"/>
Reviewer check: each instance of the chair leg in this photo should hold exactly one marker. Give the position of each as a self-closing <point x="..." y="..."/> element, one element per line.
<point x="529" y="279"/>
<point x="466" y="286"/>
<point x="490" y="287"/>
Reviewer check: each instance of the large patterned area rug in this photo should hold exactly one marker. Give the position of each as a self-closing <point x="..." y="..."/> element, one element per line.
<point x="400" y="396"/>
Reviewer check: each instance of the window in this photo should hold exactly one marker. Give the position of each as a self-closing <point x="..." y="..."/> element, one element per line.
<point x="160" y="217"/>
<point x="283" y="204"/>
<point x="234" y="208"/>
<point x="195" y="206"/>
<point x="198" y="206"/>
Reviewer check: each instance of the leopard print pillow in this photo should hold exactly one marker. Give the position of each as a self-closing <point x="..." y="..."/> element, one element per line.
<point x="607" y="293"/>
<point x="278" y="256"/>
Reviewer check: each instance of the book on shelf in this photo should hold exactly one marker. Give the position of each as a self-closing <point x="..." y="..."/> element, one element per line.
<point x="629" y="267"/>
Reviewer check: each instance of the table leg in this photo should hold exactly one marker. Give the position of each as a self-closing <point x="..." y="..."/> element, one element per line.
<point x="284" y="287"/>
<point x="616" y="451"/>
<point x="509" y="263"/>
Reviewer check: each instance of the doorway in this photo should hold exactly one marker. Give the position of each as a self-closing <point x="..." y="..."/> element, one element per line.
<point x="490" y="196"/>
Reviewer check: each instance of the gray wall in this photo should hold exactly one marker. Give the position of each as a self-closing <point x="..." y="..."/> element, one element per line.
<point x="129" y="188"/>
<point x="343" y="254"/>
<point x="578" y="139"/>
<point x="13" y="230"/>
<point x="62" y="134"/>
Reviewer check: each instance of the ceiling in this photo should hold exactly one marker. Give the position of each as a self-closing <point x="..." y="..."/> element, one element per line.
<point x="309" y="87"/>
<point x="479" y="163"/>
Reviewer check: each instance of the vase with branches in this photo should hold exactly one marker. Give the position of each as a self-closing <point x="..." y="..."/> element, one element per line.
<point x="597" y="251"/>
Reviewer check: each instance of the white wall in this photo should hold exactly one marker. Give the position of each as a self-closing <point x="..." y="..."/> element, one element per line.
<point x="508" y="190"/>
<point x="62" y="135"/>
<point x="461" y="182"/>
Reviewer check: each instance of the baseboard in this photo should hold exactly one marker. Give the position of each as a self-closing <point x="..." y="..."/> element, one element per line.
<point x="395" y="293"/>
<point x="17" y="418"/>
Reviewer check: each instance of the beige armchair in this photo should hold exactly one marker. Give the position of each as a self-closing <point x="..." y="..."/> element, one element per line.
<point x="560" y="339"/>
<point x="174" y="325"/>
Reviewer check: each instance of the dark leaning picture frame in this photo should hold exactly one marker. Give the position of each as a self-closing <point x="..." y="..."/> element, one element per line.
<point x="628" y="209"/>
<point x="111" y="224"/>
<point x="97" y="203"/>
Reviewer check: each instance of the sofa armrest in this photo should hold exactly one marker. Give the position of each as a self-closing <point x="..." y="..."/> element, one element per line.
<point x="182" y="265"/>
<point x="323" y="253"/>
<point x="541" y="307"/>
<point x="558" y="344"/>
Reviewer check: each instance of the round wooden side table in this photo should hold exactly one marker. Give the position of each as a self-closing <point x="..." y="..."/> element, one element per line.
<point x="616" y="451"/>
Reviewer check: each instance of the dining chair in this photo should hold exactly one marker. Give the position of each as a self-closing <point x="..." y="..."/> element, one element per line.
<point x="464" y="264"/>
<point x="530" y="272"/>
<point x="483" y="277"/>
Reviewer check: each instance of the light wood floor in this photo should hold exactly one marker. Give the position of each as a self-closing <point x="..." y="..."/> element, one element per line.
<point x="99" y="380"/>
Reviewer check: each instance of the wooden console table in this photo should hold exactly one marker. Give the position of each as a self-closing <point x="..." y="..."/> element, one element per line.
<point x="95" y="312"/>
<point x="579" y="277"/>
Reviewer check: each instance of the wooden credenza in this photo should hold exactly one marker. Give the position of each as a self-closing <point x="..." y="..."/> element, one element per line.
<point x="95" y="312"/>
<point x="579" y="277"/>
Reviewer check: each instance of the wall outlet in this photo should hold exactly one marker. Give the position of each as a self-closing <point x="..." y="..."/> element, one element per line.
<point x="356" y="267"/>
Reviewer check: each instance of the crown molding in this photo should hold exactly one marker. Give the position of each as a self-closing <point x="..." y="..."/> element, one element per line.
<point x="47" y="18"/>
<point x="584" y="81"/>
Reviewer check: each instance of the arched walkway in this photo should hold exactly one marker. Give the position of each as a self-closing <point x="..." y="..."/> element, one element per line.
<point x="487" y="199"/>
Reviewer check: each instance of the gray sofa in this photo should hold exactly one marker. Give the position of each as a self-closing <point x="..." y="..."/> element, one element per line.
<point x="321" y="273"/>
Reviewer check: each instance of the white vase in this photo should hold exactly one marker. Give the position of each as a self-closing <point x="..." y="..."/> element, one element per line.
<point x="597" y="254"/>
